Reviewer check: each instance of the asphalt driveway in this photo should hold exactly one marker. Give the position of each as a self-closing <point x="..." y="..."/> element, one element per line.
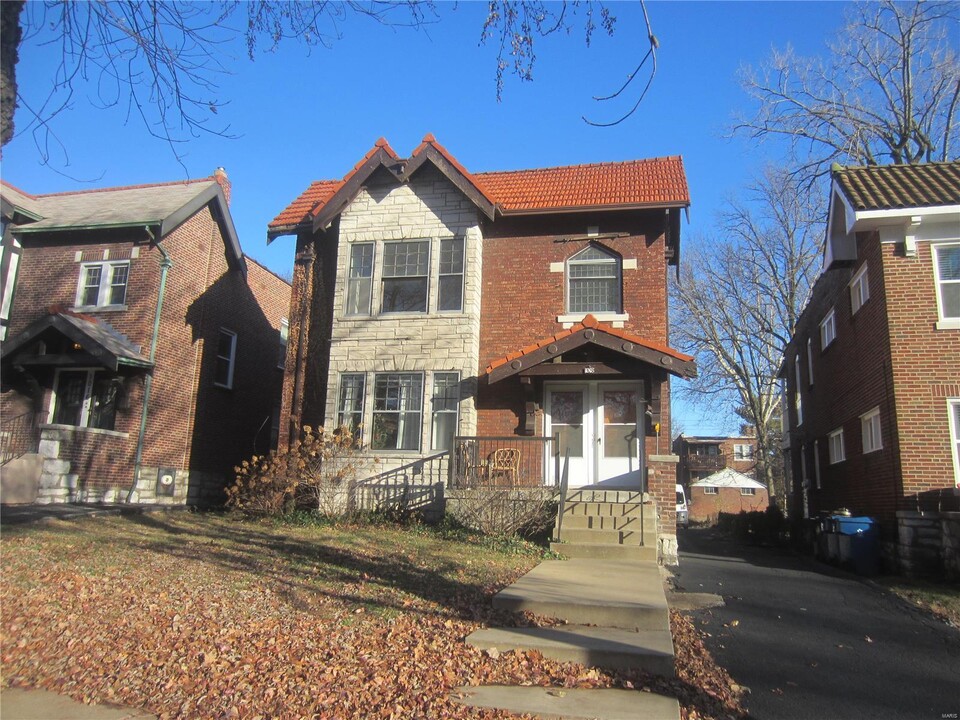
<point x="812" y="642"/>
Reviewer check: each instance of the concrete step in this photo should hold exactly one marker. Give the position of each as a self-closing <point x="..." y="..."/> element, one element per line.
<point x="598" y="509"/>
<point x="571" y="703"/>
<point x="604" y="496"/>
<point x="605" y="522"/>
<point x="650" y="650"/>
<point x="607" y="537"/>
<point x="599" y="551"/>
<point x="580" y="592"/>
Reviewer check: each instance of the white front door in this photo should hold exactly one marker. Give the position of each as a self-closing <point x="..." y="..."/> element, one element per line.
<point x="597" y="425"/>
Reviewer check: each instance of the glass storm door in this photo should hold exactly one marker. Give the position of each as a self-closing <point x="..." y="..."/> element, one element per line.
<point x="568" y="416"/>
<point x="616" y="417"/>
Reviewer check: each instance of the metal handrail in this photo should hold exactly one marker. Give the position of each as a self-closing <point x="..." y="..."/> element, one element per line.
<point x="18" y="437"/>
<point x="564" y="483"/>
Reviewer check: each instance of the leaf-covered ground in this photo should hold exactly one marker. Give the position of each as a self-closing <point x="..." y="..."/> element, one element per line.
<point x="192" y="616"/>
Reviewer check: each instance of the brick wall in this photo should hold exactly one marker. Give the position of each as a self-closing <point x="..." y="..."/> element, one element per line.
<point x="706" y="508"/>
<point x="202" y="294"/>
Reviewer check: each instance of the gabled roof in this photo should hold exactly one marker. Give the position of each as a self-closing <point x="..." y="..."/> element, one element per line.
<point x="888" y="187"/>
<point x="100" y="340"/>
<point x="658" y="182"/>
<point x="163" y="205"/>
<point x="729" y="477"/>
<point x="587" y="332"/>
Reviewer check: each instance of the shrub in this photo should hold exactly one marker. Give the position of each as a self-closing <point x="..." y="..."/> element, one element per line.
<point x="315" y="473"/>
<point x="764" y="526"/>
<point x="526" y="512"/>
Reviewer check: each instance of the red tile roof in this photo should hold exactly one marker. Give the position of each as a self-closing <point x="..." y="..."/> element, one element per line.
<point x="589" y="322"/>
<point x="657" y="182"/>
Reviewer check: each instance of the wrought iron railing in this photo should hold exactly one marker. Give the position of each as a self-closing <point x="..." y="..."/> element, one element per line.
<point x="508" y="461"/>
<point x="562" y="501"/>
<point x="19" y="435"/>
<point x="408" y="487"/>
<point x="707" y="462"/>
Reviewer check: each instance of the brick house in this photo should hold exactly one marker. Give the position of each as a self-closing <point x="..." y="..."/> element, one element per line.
<point x="872" y="373"/>
<point x="700" y="456"/>
<point x="725" y="491"/>
<point x="143" y="353"/>
<point x="432" y="303"/>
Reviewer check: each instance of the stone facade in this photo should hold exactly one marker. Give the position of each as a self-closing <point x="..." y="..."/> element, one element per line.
<point x="928" y="543"/>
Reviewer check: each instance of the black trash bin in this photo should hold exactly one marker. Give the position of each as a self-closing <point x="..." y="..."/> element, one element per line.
<point x="859" y="543"/>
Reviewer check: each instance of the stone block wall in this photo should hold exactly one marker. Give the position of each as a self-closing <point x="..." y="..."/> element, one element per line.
<point x="929" y="543"/>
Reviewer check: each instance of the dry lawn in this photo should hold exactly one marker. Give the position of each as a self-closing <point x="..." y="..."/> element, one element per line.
<point x="210" y="616"/>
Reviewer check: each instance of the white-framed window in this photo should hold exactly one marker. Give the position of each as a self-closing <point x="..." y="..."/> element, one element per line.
<point x="810" y="361"/>
<point x="828" y="329"/>
<point x="594" y="282"/>
<point x="397" y="411"/>
<point x="406" y="270"/>
<point x="84" y="398"/>
<point x="870" y="429"/>
<point x="835" y="448"/>
<point x="709" y="489"/>
<point x="284" y="338"/>
<point x="360" y="279"/>
<point x="748" y="491"/>
<point x="946" y="267"/>
<point x="226" y="358"/>
<point x="816" y="462"/>
<point x="450" y="280"/>
<point x="743" y="452"/>
<point x="103" y="284"/>
<point x="350" y="402"/>
<point x="798" y="376"/>
<point x="953" y="407"/>
<point x="446" y="409"/>
<point x="859" y="290"/>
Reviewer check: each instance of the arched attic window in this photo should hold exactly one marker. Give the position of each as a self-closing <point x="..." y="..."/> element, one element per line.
<point x="594" y="281"/>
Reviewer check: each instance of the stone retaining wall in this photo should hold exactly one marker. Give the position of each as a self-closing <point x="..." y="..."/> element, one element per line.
<point x="929" y="543"/>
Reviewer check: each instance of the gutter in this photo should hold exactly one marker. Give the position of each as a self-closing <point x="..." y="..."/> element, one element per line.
<point x="165" y="264"/>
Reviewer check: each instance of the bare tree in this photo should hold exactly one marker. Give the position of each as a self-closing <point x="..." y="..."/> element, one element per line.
<point x="888" y="92"/>
<point x="739" y="297"/>
<point x="161" y="60"/>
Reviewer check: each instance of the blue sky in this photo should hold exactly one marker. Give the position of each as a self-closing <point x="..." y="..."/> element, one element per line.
<point x="305" y="115"/>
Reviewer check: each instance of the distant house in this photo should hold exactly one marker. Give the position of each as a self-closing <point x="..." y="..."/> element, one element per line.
<point x="143" y="353"/>
<point x="489" y="314"/>
<point x="726" y="491"/>
<point x="700" y="456"/>
<point x="872" y="373"/>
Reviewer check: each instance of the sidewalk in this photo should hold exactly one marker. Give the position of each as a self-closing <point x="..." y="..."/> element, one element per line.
<point x="19" y="704"/>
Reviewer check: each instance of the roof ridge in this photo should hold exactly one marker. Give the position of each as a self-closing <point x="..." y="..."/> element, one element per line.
<point x="142" y="186"/>
<point x="609" y="163"/>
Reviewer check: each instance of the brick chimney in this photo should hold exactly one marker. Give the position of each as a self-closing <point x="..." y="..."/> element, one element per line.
<point x="220" y="175"/>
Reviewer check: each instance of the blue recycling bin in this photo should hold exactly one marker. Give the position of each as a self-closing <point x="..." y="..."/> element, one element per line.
<point x="859" y="543"/>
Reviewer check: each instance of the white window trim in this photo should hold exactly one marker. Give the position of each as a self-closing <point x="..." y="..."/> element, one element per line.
<point x="374" y="412"/>
<point x="943" y="323"/>
<point x="810" y="361"/>
<point x="380" y="278"/>
<point x="348" y="279"/>
<point x="867" y="420"/>
<point x="232" y="358"/>
<point x="748" y="492"/>
<point x="954" y="422"/>
<point x="859" y="286"/>
<point x="710" y="490"/>
<point x="338" y="410"/>
<point x="434" y="413"/>
<point x="836" y="458"/>
<point x="284" y="340"/>
<point x="607" y="315"/>
<point x="462" y="274"/>
<point x="829" y="321"/>
<point x="103" y="292"/>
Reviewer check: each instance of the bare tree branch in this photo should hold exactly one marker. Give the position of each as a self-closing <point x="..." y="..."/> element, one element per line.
<point x="888" y="92"/>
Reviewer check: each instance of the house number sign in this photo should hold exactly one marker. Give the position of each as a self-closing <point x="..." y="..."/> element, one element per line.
<point x="589" y="370"/>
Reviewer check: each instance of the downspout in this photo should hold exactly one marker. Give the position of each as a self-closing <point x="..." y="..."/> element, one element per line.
<point x="165" y="264"/>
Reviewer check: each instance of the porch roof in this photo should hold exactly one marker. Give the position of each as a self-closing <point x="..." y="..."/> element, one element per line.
<point x="101" y="343"/>
<point x="590" y="331"/>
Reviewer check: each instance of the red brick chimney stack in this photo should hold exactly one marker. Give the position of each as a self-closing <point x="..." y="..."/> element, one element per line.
<point x="220" y="175"/>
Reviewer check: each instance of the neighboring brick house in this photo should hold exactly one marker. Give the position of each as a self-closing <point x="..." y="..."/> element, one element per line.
<point x="726" y="491"/>
<point x="701" y="456"/>
<point x="141" y="344"/>
<point x="872" y="373"/>
<point x="429" y="301"/>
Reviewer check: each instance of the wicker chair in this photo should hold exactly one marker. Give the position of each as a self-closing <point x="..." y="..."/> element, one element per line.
<point x="503" y="462"/>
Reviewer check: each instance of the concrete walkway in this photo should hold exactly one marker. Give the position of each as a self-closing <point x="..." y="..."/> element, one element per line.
<point x="17" y="704"/>
<point x="618" y="616"/>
